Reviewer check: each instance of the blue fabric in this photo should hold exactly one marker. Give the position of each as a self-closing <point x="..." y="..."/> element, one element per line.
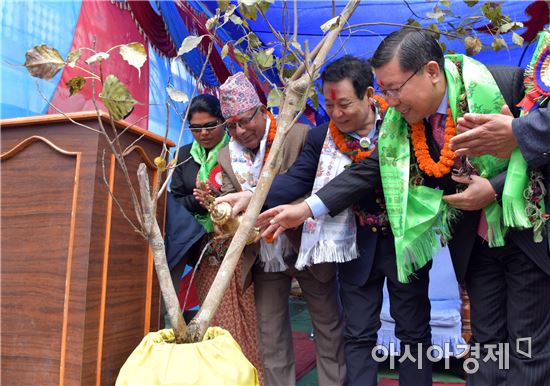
<point x="161" y="71"/>
<point x="364" y="40"/>
<point x="24" y="25"/>
<point x="182" y="231"/>
<point x="194" y="59"/>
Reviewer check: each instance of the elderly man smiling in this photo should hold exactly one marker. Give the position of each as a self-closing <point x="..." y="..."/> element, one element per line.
<point x="270" y="266"/>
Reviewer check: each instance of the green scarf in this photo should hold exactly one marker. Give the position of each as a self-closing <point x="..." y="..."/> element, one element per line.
<point x="418" y="214"/>
<point x="514" y="216"/>
<point x="207" y="162"/>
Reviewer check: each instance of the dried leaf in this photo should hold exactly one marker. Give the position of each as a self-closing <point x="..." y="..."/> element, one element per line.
<point x="228" y="13"/>
<point x="264" y="59"/>
<point x="445" y="3"/>
<point x="498" y="44"/>
<point x="437" y="14"/>
<point x="241" y="57"/>
<point x="492" y="11"/>
<point x="414" y="23"/>
<point x="236" y="20"/>
<point x="265" y="4"/>
<point x="223" y="4"/>
<point x="99" y="56"/>
<point x="472" y="45"/>
<point x="225" y="49"/>
<point x="73" y="57"/>
<point x="435" y="30"/>
<point x="160" y="163"/>
<point x="314" y="97"/>
<point x="510" y="26"/>
<point x="43" y="62"/>
<point x="248" y="12"/>
<point x="134" y="54"/>
<point x="116" y="98"/>
<point x="253" y="40"/>
<point x="249" y="3"/>
<point x="274" y="98"/>
<point x="327" y="26"/>
<point x="210" y="23"/>
<point x="471" y="3"/>
<point x="189" y="43"/>
<point x="75" y="84"/>
<point x="176" y="95"/>
<point x="517" y="39"/>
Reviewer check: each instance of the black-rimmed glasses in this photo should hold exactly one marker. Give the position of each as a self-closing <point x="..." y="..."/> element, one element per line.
<point x="243" y="121"/>
<point x="395" y="92"/>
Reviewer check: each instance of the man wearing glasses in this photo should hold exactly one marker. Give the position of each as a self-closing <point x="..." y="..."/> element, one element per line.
<point x="506" y="270"/>
<point x="270" y="266"/>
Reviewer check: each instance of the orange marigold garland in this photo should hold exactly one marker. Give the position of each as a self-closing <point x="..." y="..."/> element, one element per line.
<point x="347" y="144"/>
<point x="381" y="103"/>
<point x="423" y="158"/>
<point x="270" y="134"/>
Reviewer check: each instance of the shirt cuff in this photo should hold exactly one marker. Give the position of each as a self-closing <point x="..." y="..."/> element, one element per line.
<point x="318" y="208"/>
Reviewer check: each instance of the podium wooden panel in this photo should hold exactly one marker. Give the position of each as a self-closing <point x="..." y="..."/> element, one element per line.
<point x="78" y="288"/>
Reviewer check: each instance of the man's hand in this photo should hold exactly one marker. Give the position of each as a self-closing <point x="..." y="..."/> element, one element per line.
<point x="282" y="217"/>
<point x="485" y="134"/>
<point x="238" y="201"/>
<point x="477" y="195"/>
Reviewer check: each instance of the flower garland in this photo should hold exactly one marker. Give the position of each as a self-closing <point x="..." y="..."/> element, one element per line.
<point x="349" y="145"/>
<point x="270" y="134"/>
<point x="423" y="158"/>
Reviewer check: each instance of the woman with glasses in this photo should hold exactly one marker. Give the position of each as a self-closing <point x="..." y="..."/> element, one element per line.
<point x="197" y="170"/>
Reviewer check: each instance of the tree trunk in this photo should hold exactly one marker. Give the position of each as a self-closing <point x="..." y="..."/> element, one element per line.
<point x="156" y="242"/>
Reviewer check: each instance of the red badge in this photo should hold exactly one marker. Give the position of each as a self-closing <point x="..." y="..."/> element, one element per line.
<point x="215" y="177"/>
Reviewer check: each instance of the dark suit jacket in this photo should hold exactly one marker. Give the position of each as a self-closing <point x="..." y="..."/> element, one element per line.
<point x="184" y="180"/>
<point x="298" y="181"/>
<point x="360" y="179"/>
<point x="183" y="233"/>
<point x="532" y="133"/>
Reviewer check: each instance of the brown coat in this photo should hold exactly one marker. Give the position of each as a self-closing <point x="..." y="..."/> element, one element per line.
<point x="293" y="145"/>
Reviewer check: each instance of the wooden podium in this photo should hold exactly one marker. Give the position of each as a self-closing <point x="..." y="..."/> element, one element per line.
<point x="78" y="288"/>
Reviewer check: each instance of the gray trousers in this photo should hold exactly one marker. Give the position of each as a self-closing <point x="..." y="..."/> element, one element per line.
<point x="272" y="290"/>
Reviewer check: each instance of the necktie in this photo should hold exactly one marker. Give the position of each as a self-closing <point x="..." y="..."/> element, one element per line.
<point x="437" y="122"/>
<point x="483" y="227"/>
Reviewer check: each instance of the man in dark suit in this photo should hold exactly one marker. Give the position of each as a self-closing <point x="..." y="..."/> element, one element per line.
<point x="508" y="285"/>
<point x="499" y="134"/>
<point x="356" y="117"/>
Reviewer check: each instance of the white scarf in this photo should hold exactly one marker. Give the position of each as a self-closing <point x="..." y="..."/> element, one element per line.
<point x="247" y="167"/>
<point x="328" y="239"/>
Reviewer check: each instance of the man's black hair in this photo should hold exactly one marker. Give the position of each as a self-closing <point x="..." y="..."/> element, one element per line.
<point x="357" y="70"/>
<point x="412" y="47"/>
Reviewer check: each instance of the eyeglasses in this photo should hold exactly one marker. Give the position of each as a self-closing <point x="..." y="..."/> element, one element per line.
<point x="396" y="92"/>
<point x="243" y="121"/>
<point x="205" y="126"/>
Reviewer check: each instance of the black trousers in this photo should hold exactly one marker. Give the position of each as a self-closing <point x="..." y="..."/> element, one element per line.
<point x="409" y="307"/>
<point x="510" y="304"/>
